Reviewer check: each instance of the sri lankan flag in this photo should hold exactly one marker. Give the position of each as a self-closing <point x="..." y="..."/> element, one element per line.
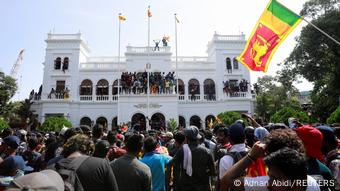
<point x="275" y="24"/>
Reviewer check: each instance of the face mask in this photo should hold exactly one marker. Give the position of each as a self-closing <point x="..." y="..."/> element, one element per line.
<point x="19" y="173"/>
<point x="292" y="125"/>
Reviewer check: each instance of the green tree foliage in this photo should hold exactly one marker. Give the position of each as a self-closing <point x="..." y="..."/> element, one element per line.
<point x="55" y="124"/>
<point x="272" y="95"/>
<point x="229" y="117"/>
<point x="3" y="125"/>
<point x="172" y="125"/>
<point x="317" y="58"/>
<point x="8" y="88"/>
<point x="335" y="116"/>
<point x="285" y="113"/>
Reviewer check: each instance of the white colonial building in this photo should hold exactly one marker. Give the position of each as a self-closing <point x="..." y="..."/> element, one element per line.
<point x="84" y="89"/>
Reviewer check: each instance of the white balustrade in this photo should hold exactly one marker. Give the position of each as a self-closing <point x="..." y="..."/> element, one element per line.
<point x="85" y="97"/>
<point x="195" y="97"/>
<point x="102" y="97"/>
<point x="230" y="37"/>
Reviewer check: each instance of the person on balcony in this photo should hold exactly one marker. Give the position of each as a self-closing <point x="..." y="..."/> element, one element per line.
<point x="156" y="45"/>
<point x="52" y="94"/>
<point x="165" y="41"/>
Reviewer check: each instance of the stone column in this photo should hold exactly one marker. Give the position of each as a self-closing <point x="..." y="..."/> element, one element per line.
<point x="201" y="92"/>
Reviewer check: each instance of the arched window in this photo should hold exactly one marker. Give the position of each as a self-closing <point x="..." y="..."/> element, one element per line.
<point x="209" y="89"/>
<point x="228" y="63"/>
<point x="86" y="87"/>
<point x="102" y="87"/>
<point x="194" y="86"/>
<point x="57" y="63"/>
<point x="195" y="120"/>
<point x="235" y="64"/>
<point x="65" y="63"/>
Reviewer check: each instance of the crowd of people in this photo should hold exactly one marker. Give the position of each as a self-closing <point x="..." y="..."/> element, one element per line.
<point x="159" y="82"/>
<point x="232" y="86"/>
<point x="240" y="156"/>
<point x="59" y="94"/>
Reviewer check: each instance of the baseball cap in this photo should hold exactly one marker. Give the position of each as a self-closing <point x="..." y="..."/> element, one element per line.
<point x="12" y="163"/>
<point x="12" y="141"/>
<point x="192" y="132"/>
<point x="236" y="130"/>
<point x="46" y="180"/>
<point x="312" y="140"/>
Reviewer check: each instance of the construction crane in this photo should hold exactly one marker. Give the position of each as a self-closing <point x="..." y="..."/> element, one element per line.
<point x="16" y="65"/>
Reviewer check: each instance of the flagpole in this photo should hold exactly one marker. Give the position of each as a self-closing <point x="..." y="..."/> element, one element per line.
<point x="177" y="90"/>
<point x="147" y="70"/>
<point x="119" y="73"/>
<point x="317" y="28"/>
<point x="320" y="30"/>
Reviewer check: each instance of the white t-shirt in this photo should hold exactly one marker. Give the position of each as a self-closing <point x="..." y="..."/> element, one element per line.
<point x="227" y="161"/>
<point x="260" y="183"/>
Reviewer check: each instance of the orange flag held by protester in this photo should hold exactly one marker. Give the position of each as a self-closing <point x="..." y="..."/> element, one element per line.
<point x="274" y="25"/>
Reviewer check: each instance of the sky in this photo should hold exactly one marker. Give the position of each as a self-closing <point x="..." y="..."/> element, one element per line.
<point x="25" y="24"/>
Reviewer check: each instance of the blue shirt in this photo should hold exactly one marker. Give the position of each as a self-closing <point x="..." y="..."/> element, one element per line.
<point x="156" y="163"/>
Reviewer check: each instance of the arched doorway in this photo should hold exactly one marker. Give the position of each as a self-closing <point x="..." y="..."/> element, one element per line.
<point x="195" y="120"/>
<point x="157" y="121"/>
<point x="181" y="122"/>
<point x="209" y="89"/>
<point x="209" y="120"/>
<point x="138" y="122"/>
<point x="86" y="121"/>
<point x="114" y="123"/>
<point x="102" y="121"/>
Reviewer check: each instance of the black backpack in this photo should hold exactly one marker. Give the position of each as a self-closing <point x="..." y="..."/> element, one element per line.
<point x="236" y="157"/>
<point x="67" y="170"/>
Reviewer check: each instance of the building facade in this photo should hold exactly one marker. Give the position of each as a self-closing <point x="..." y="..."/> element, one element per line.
<point x="85" y="89"/>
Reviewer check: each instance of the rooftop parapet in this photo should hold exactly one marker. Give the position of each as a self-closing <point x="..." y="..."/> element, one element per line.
<point x="146" y="50"/>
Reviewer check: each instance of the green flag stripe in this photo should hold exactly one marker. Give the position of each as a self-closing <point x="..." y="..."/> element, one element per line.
<point x="283" y="13"/>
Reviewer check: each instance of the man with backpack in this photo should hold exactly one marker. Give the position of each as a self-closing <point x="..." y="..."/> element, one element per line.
<point x="81" y="172"/>
<point x="237" y="151"/>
